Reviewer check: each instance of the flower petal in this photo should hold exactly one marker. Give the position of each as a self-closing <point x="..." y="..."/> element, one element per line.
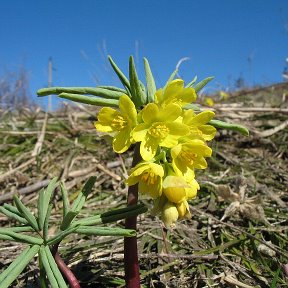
<point x="176" y="128"/>
<point x="208" y="132"/>
<point x="169" y="113"/>
<point x="201" y="118"/>
<point x="140" y="131"/>
<point x="122" y="141"/>
<point x="128" y="109"/>
<point x="150" y="113"/>
<point x="148" y="148"/>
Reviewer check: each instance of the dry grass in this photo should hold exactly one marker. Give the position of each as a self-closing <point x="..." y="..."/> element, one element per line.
<point x="237" y="236"/>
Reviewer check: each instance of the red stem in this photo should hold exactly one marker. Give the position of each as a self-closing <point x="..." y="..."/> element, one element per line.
<point x="131" y="262"/>
<point x="65" y="270"/>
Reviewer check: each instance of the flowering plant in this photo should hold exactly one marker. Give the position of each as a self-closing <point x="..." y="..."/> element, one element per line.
<point x="170" y="133"/>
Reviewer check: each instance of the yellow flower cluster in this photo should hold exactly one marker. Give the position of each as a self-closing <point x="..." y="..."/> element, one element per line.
<point x="172" y="145"/>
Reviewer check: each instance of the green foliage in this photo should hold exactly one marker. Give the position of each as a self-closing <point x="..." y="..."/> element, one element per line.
<point x="41" y="242"/>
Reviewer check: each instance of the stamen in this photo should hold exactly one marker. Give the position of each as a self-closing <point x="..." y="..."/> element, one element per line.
<point x="158" y="130"/>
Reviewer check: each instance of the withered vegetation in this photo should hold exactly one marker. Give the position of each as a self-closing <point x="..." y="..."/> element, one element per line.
<point x="237" y="236"/>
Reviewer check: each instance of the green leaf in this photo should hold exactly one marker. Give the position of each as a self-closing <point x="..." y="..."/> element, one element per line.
<point x="92" y="100"/>
<point x="48" y="269"/>
<point x="46" y="197"/>
<point x="106" y="231"/>
<point x="20" y="229"/>
<point x="229" y="126"/>
<point x="80" y="200"/>
<point x="203" y="83"/>
<point x="190" y="84"/>
<point x="17" y="266"/>
<point x="120" y="75"/>
<point x="46" y="222"/>
<point x="65" y="199"/>
<point x="171" y="78"/>
<point x="137" y="95"/>
<point x="26" y="213"/>
<point x="193" y="106"/>
<point x="12" y="209"/>
<point x="21" y="237"/>
<point x="69" y="217"/>
<point x="60" y="236"/>
<point x="13" y="215"/>
<point x="54" y="268"/>
<point x="151" y="86"/>
<point x="113" y="88"/>
<point x="96" y="91"/>
<point x="112" y="216"/>
<point x="78" y="203"/>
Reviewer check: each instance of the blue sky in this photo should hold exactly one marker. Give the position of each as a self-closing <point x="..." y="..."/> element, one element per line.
<point x="225" y="38"/>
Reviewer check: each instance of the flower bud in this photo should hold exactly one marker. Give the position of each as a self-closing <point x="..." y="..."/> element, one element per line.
<point x="169" y="215"/>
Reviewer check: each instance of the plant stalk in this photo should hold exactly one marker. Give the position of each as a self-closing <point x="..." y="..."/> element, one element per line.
<point x="65" y="270"/>
<point x="132" y="275"/>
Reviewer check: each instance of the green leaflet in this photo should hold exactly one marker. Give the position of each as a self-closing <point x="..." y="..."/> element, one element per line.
<point x="113" y="88"/>
<point x="60" y="236"/>
<point x="54" y="268"/>
<point x="21" y="237"/>
<point x="120" y="75"/>
<point x="97" y="91"/>
<point x="26" y="213"/>
<point x="151" y="86"/>
<point x="78" y="203"/>
<point x="46" y="222"/>
<point x="44" y="200"/>
<point x="202" y="83"/>
<point x="229" y="126"/>
<point x="190" y="84"/>
<point x="17" y="266"/>
<point x="65" y="199"/>
<point x="106" y="231"/>
<point x="13" y="214"/>
<point x="92" y="100"/>
<point x="48" y="269"/>
<point x="111" y="216"/>
<point x="171" y="78"/>
<point x="137" y="94"/>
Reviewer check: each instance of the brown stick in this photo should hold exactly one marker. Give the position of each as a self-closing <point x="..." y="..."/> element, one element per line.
<point x="131" y="262"/>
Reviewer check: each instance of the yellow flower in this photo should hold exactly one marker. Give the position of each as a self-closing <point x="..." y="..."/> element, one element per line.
<point x="189" y="155"/>
<point x="197" y="124"/>
<point x="183" y="210"/>
<point x="209" y="101"/>
<point x="174" y="188"/>
<point x="149" y="176"/>
<point x="191" y="192"/>
<point x="120" y="123"/>
<point x="175" y="93"/>
<point x="158" y="129"/>
<point x="169" y="214"/>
